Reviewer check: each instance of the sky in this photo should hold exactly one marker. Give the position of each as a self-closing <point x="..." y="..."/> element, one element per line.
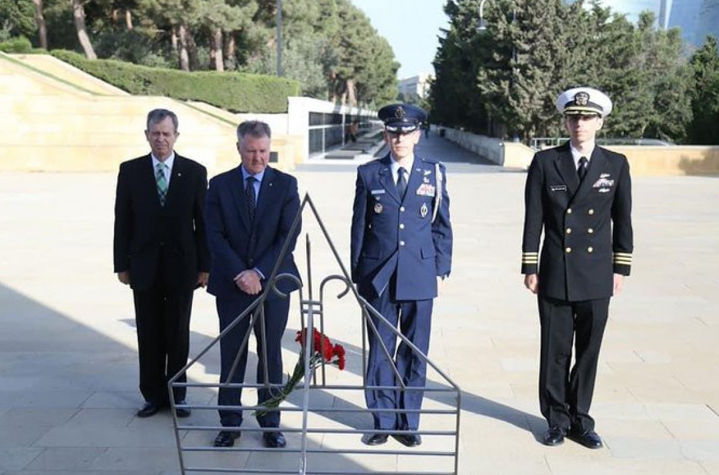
<point x="411" y="27"/>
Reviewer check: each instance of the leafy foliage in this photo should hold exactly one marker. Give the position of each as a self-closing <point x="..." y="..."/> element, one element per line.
<point x="503" y="80"/>
<point x="236" y="92"/>
<point x="328" y="45"/>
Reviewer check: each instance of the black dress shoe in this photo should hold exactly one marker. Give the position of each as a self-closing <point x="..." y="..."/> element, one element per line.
<point x="554" y="436"/>
<point x="374" y="439"/>
<point x="408" y="440"/>
<point x="588" y="438"/>
<point x="182" y="411"/>
<point x="227" y="438"/>
<point x="149" y="409"/>
<point x="274" y="440"/>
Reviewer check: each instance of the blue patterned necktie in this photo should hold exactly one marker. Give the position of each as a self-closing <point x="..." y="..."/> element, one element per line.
<point x="250" y="197"/>
<point x="161" y="182"/>
<point x="401" y="183"/>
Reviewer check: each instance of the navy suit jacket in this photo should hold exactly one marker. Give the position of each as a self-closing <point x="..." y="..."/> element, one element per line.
<point x="587" y="227"/>
<point x="391" y="237"/>
<point x="236" y="245"/>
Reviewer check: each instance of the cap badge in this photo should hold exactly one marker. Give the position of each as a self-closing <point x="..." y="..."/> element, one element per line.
<point x="581" y="99"/>
<point x="400" y="113"/>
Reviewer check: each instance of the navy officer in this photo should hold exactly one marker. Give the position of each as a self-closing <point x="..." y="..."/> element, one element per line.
<point x="580" y="194"/>
<point x="401" y="244"/>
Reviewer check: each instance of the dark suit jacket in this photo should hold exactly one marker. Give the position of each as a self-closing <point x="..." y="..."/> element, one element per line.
<point x="587" y="229"/>
<point x="235" y="245"/>
<point x="144" y="228"/>
<point x="389" y="236"/>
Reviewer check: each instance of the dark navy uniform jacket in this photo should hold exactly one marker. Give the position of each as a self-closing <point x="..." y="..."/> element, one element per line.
<point x="390" y="236"/>
<point x="587" y="228"/>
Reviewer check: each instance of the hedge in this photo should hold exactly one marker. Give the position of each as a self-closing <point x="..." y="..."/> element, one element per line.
<point x="17" y="45"/>
<point x="231" y="91"/>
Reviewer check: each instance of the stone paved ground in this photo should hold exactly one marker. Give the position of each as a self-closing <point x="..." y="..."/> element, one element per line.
<point x="68" y="370"/>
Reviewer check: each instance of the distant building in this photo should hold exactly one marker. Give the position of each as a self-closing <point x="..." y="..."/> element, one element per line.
<point x="707" y="23"/>
<point x="695" y="18"/>
<point x="415" y="86"/>
<point x="632" y="8"/>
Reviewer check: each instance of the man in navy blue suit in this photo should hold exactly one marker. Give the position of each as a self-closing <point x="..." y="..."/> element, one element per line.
<point x="401" y="245"/>
<point x="249" y="214"/>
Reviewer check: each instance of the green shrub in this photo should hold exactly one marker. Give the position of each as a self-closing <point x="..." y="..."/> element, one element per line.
<point x="19" y="45"/>
<point x="235" y="92"/>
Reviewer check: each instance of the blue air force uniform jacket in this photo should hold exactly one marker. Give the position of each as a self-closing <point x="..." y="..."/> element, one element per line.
<point x="389" y="236"/>
<point x="587" y="228"/>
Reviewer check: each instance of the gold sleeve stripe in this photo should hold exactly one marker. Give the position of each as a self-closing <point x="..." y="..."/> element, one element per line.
<point x="528" y="254"/>
<point x="623" y="261"/>
<point x="622" y="254"/>
<point x="530" y="261"/>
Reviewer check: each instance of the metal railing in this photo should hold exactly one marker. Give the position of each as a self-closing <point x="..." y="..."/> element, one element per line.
<point x="314" y="457"/>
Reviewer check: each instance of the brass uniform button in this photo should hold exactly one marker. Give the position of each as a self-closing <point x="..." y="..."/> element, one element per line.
<point x="569" y="230"/>
<point x="590" y="249"/>
<point x="590" y="231"/>
<point x="591" y="212"/>
<point x="569" y="210"/>
<point x="569" y="249"/>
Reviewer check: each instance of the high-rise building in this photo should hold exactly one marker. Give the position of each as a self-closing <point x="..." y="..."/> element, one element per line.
<point x="695" y="18"/>
<point x="684" y="14"/>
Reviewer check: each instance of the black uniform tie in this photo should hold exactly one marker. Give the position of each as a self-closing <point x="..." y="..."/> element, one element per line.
<point x="250" y="197"/>
<point x="401" y="183"/>
<point x="582" y="168"/>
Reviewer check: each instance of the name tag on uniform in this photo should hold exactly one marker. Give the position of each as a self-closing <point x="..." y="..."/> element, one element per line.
<point x="425" y="189"/>
<point x="377" y="192"/>
<point x="558" y="187"/>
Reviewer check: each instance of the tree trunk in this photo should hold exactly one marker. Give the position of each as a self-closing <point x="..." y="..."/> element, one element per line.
<point x="40" y="20"/>
<point x="351" y="93"/>
<point x="128" y="19"/>
<point x="217" y="50"/>
<point x="192" y="50"/>
<point x="184" y="55"/>
<point x="78" y="13"/>
<point x="230" y="49"/>
<point x="173" y="39"/>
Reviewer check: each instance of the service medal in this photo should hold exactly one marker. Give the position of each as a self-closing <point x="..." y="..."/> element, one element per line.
<point x="378" y="208"/>
<point x="423" y="210"/>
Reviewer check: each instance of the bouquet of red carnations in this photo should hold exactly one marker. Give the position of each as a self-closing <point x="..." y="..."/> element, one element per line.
<point x="322" y="351"/>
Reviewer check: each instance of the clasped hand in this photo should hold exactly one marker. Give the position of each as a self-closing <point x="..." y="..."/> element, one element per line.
<point x="249" y="282"/>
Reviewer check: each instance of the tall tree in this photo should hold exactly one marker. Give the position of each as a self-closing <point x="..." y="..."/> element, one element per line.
<point x="704" y="128"/>
<point x="78" y="14"/>
<point x="41" y="26"/>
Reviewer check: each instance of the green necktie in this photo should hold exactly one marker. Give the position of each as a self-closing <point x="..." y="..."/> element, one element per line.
<point x="161" y="182"/>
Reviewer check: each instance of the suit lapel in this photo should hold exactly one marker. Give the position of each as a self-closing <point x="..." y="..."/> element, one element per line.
<point x="386" y="179"/>
<point x="267" y="191"/>
<point x="238" y="195"/>
<point x="177" y="180"/>
<point x="596" y="166"/>
<point x="566" y="168"/>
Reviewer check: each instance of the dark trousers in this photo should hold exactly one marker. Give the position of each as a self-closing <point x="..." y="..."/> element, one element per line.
<point x="415" y="320"/>
<point x="276" y="312"/>
<point x="565" y="395"/>
<point x="162" y="316"/>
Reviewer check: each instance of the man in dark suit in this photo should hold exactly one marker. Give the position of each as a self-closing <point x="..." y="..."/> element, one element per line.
<point x="250" y="211"/>
<point x="580" y="194"/>
<point x="401" y="243"/>
<point x="160" y="250"/>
